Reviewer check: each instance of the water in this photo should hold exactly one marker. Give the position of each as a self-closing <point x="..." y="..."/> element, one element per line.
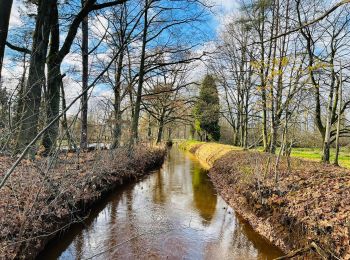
<point x="173" y="213"/>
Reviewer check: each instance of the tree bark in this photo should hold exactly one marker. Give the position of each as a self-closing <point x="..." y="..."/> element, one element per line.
<point x="54" y="82"/>
<point x="264" y="70"/>
<point x="36" y="77"/>
<point x="117" y="102"/>
<point x="19" y="106"/>
<point x="5" y="12"/>
<point x="337" y="145"/>
<point x="149" y="131"/>
<point x="160" y="131"/>
<point x="327" y="137"/>
<point x="135" y="121"/>
<point x="85" y="78"/>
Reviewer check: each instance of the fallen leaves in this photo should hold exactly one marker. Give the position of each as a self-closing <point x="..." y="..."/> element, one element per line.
<point x="36" y="203"/>
<point x="310" y="202"/>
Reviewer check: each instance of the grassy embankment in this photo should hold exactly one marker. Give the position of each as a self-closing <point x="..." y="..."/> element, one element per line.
<point x="307" y="208"/>
<point x="313" y="154"/>
<point x="36" y="205"/>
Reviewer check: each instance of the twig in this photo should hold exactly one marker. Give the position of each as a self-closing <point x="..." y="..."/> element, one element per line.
<point x="312" y="246"/>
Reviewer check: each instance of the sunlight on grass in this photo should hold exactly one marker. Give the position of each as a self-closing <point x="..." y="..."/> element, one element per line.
<point x="315" y="154"/>
<point x="209" y="152"/>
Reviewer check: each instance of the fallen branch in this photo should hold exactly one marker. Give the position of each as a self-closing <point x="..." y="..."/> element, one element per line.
<point x="313" y="246"/>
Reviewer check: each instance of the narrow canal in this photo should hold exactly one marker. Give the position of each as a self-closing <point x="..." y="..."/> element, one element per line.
<point x="173" y="213"/>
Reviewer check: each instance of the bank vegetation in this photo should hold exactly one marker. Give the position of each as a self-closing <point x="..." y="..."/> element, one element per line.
<point x="301" y="206"/>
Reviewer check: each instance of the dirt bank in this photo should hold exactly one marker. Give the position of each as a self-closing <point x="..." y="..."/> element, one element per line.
<point x="307" y="207"/>
<point x="37" y="204"/>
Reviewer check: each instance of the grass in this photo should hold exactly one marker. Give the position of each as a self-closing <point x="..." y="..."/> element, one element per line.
<point x="188" y="144"/>
<point x="207" y="153"/>
<point x="313" y="154"/>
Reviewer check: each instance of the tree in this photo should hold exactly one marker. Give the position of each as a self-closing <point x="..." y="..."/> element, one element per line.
<point x="54" y="82"/>
<point x="234" y="72"/>
<point x="165" y="99"/>
<point x="5" y="11"/>
<point x="36" y="78"/>
<point x="166" y="32"/>
<point x="29" y="122"/>
<point x="85" y="79"/>
<point x="324" y="69"/>
<point x="207" y="109"/>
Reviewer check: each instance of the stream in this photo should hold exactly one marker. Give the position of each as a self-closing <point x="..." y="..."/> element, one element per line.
<point x="173" y="213"/>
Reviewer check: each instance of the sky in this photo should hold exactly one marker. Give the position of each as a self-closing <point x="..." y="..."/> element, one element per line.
<point x="222" y="8"/>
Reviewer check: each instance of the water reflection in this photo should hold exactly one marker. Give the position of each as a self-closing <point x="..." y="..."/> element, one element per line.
<point x="204" y="195"/>
<point x="173" y="213"/>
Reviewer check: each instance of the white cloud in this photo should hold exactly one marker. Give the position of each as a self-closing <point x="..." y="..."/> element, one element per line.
<point x="11" y="74"/>
<point x="224" y="6"/>
<point x="15" y="19"/>
<point x="228" y="5"/>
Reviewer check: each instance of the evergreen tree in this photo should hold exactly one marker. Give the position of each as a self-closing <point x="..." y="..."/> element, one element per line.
<point x="207" y="110"/>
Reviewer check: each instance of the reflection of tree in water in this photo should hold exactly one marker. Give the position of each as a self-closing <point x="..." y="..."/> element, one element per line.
<point x="159" y="196"/>
<point x="79" y="245"/>
<point x="247" y="242"/>
<point x="240" y="241"/>
<point x="204" y="195"/>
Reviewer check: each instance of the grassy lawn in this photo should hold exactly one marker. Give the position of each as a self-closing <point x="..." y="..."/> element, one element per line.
<point x="316" y="154"/>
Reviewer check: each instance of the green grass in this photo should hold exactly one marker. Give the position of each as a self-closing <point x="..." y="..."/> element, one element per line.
<point x="315" y="154"/>
<point x="188" y="144"/>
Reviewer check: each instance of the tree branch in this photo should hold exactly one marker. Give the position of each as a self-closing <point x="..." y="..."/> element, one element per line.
<point x="17" y="48"/>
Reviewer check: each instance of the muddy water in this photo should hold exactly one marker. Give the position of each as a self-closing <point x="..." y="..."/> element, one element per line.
<point x="174" y="213"/>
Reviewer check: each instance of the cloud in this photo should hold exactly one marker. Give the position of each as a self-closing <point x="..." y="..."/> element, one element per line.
<point x="224" y="6"/>
<point x="15" y="19"/>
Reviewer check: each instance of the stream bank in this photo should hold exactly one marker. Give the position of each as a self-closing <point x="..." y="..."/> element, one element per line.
<point x="37" y="205"/>
<point x="307" y="206"/>
<point x="172" y="213"/>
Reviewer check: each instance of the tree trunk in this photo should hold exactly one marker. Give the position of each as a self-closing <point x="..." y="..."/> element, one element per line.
<point x="36" y="78"/>
<point x="149" y="132"/>
<point x="85" y="78"/>
<point x="5" y="12"/>
<point x="19" y="105"/>
<point x="337" y="145"/>
<point x="192" y="132"/>
<point x="169" y="133"/>
<point x="117" y="102"/>
<point x="54" y="82"/>
<point x="135" y="121"/>
<point x="160" y="131"/>
<point x="65" y="128"/>
<point x="327" y="137"/>
<point x="274" y="129"/>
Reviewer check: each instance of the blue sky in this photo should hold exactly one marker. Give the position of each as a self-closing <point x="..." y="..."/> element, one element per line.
<point x="220" y="11"/>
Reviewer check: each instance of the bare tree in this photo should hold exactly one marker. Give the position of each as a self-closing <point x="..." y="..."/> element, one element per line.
<point x="5" y="11"/>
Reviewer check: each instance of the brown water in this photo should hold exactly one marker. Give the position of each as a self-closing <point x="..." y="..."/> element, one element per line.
<point x="174" y="213"/>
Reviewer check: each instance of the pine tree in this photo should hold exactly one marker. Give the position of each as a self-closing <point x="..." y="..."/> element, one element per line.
<point x="207" y="110"/>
